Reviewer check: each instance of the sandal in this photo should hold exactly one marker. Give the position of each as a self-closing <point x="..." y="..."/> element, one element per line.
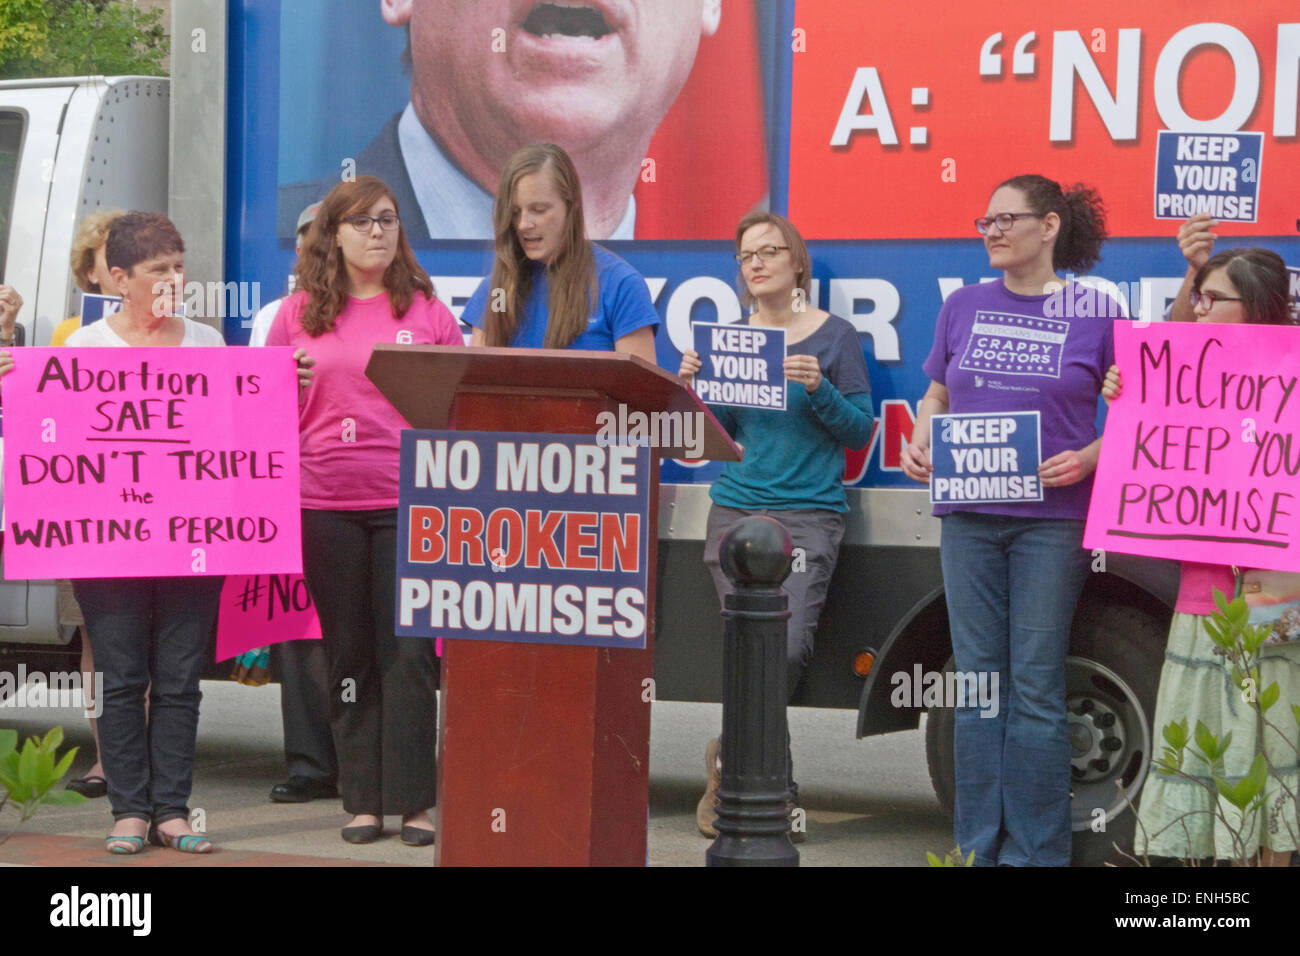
<point x="123" y="844"/>
<point x="89" y="787"/>
<point x="185" y="842"/>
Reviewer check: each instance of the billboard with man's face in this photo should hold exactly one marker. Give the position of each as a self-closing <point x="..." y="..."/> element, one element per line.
<point x="880" y="130"/>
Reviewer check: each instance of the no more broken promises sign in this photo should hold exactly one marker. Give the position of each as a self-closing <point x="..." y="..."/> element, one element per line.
<point x="523" y="537"/>
<point x="135" y="462"/>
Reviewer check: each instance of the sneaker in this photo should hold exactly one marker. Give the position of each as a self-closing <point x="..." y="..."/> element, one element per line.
<point x="706" y="811"/>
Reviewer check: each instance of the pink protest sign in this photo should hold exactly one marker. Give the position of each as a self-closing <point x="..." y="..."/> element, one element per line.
<point x="258" y="610"/>
<point x="262" y="609"/>
<point x="135" y="462"/>
<point x="1200" y="456"/>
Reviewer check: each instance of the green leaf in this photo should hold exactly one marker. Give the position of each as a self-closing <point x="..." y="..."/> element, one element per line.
<point x="1208" y="743"/>
<point x="1224" y="744"/>
<point x="27" y="761"/>
<point x="1271" y="693"/>
<point x="970" y="860"/>
<point x="934" y="860"/>
<point x="9" y="766"/>
<point x="1220" y="600"/>
<point x="1169" y="761"/>
<point x="1295" y="712"/>
<point x="1254" y="636"/>
<point x="42" y="773"/>
<point x="1176" y="734"/>
<point x="64" y="798"/>
<point x="1246" y="789"/>
<point x="50" y="742"/>
<point x="1238" y="613"/>
<point x="64" y="763"/>
<point x="8" y="742"/>
<point x="1219" y="633"/>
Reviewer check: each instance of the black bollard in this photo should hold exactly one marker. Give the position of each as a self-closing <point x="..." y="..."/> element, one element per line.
<point x="753" y="824"/>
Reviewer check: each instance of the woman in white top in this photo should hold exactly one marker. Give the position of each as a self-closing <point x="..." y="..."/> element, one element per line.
<point x="149" y="632"/>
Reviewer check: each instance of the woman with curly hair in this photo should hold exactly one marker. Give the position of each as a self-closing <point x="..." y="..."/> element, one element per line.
<point x="358" y="284"/>
<point x="1013" y="572"/>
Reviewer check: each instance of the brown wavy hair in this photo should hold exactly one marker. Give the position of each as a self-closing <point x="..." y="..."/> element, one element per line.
<point x="571" y="274"/>
<point x="91" y="234"/>
<point x="322" y="273"/>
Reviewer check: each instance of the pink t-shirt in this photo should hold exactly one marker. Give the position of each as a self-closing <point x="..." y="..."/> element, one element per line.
<point x="1196" y="587"/>
<point x="350" y="434"/>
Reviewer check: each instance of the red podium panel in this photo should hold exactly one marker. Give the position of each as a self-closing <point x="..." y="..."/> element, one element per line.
<point x="544" y="749"/>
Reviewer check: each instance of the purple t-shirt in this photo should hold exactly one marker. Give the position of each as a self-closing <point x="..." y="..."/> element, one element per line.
<point x="997" y="351"/>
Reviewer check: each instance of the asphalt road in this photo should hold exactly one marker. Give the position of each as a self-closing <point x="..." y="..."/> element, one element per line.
<point x="868" y="802"/>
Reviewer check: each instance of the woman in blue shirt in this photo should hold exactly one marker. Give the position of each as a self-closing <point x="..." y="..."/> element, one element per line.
<point x="794" y="459"/>
<point x="550" y="287"/>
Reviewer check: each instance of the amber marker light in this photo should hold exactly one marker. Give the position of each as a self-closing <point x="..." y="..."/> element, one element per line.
<point x="862" y="662"/>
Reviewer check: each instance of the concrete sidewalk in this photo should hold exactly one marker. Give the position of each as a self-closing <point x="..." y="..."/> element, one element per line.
<point x="868" y="802"/>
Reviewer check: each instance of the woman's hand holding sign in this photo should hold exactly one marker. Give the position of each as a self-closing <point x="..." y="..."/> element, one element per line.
<point x="1070" y="467"/>
<point x="1196" y="239"/>
<point x="690" y="365"/>
<point x="804" y="370"/>
<point x="916" y="461"/>
<point x="305" y="373"/>
<point x="1113" y="387"/>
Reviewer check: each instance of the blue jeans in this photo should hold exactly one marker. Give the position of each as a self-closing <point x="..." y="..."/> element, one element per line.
<point x="149" y="632"/>
<point x="1012" y="585"/>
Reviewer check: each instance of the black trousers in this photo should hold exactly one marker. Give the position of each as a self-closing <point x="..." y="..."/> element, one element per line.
<point x="302" y="669"/>
<point x="382" y="688"/>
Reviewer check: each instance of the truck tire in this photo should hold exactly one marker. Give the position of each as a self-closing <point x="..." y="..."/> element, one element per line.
<point x="1111" y="676"/>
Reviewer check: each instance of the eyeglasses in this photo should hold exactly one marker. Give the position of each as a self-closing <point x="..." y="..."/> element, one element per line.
<point x="766" y="254"/>
<point x="1003" y="220"/>
<point x="363" y="223"/>
<point x="1208" y="299"/>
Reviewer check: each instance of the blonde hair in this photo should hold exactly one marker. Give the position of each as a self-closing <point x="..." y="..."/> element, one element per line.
<point x="91" y="234"/>
<point x="571" y="274"/>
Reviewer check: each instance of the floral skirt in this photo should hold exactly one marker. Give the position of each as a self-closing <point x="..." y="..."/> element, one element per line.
<point x="1181" y="818"/>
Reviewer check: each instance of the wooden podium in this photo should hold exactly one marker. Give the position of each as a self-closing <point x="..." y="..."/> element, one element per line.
<point x="544" y="750"/>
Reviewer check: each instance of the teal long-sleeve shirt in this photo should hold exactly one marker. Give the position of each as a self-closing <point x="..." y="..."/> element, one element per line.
<point x="795" y="458"/>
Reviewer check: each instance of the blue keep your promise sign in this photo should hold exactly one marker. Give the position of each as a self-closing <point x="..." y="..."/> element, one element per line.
<point x="742" y="365"/>
<point x="1216" y="173"/>
<point x="522" y="537"/>
<point x="95" y="307"/>
<point x="985" y="459"/>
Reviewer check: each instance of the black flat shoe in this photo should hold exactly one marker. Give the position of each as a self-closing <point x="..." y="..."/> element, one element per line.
<point x="418" y="836"/>
<point x="91" y="787"/>
<point x="303" y="790"/>
<point x="363" y="834"/>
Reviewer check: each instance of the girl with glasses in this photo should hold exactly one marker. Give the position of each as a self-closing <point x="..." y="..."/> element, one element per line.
<point x="794" y="459"/>
<point x="358" y="284"/>
<point x="1177" y="817"/>
<point x="1013" y="571"/>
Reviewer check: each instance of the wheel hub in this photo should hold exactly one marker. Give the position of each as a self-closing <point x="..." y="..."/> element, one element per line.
<point x="1107" y="727"/>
